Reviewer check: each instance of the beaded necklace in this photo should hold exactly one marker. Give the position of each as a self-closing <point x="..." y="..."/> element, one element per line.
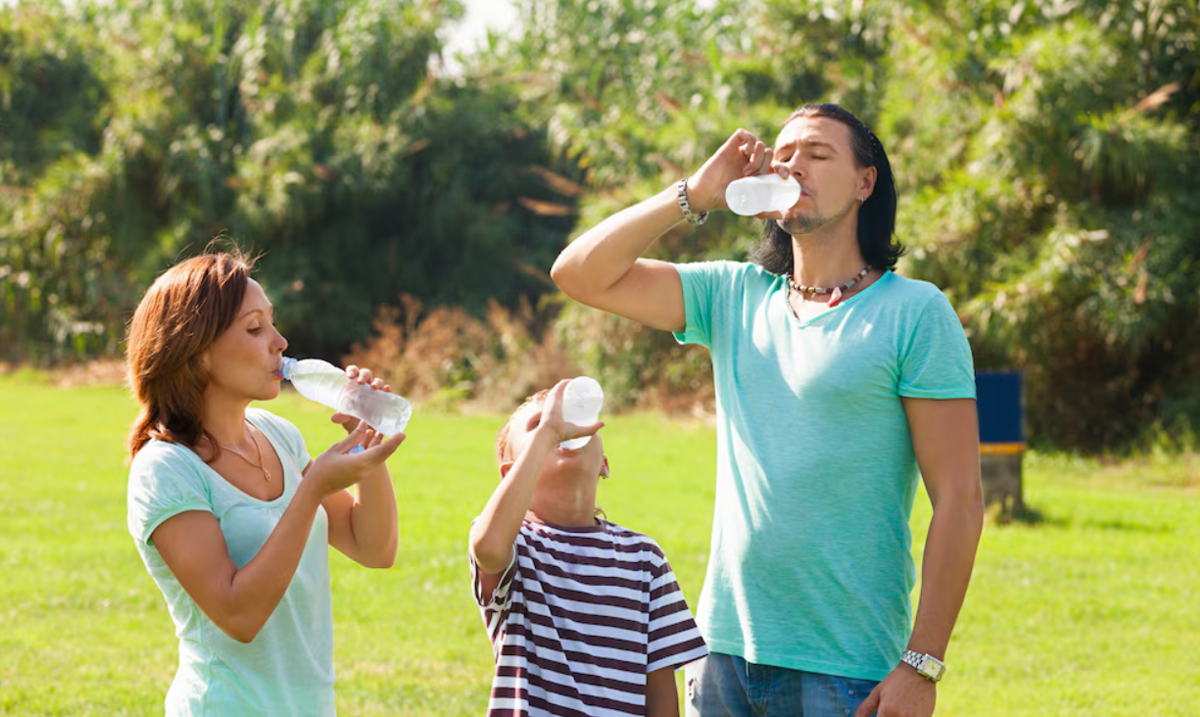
<point x="836" y="291"/>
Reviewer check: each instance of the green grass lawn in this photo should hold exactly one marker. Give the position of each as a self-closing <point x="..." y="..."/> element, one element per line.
<point x="1090" y="606"/>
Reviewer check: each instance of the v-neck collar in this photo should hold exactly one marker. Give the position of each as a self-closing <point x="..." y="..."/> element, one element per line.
<point x="829" y="311"/>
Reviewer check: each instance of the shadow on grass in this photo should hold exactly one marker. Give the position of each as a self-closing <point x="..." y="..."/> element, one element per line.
<point x="1023" y="514"/>
<point x="1030" y="516"/>
<point x="1126" y="526"/>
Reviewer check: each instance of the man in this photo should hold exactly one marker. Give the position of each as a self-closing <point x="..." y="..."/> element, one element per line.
<point x="835" y="381"/>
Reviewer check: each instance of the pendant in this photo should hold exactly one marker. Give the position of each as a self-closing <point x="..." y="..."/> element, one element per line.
<point x="836" y="298"/>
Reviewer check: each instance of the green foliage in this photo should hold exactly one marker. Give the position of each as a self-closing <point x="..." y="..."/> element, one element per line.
<point x="313" y="132"/>
<point x="607" y="75"/>
<point x="1045" y="153"/>
<point x="49" y="93"/>
<point x="1060" y="213"/>
<point x="52" y="103"/>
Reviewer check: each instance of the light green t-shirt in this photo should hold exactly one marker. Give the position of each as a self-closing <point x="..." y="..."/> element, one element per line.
<point x="288" y="668"/>
<point x="811" y="559"/>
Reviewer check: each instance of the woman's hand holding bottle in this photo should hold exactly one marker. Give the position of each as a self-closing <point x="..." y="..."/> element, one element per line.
<point x="363" y="377"/>
<point x="341" y="466"/>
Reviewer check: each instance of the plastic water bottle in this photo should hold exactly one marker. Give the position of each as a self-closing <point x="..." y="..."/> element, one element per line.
<point x="327" y="384"/>
<point x="762" y="193"/>
<point x="582" y="400"/>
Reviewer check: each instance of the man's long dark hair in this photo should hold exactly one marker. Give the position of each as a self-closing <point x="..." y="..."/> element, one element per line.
<point x="876" y="216"/>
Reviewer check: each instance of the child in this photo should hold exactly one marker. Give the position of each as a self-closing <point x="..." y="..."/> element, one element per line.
<point x="585" y="616"/>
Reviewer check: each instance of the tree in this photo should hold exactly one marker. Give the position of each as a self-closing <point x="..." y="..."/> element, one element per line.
<point x="1048" y="159"/>
<point x="52" y="123"/>
<point x="314" y="132"/>
<point x="1045" y="155"/>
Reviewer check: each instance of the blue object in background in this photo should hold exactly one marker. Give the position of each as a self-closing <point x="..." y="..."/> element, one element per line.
<point x="1000" y="416"/>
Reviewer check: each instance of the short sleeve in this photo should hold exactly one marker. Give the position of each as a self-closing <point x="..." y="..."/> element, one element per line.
<point x="499" y="598"/>
<point x="936" y="360"/>
<point x="700" y="281"/>
<point x="163" y="482"/>
<point x="674" y="637"/>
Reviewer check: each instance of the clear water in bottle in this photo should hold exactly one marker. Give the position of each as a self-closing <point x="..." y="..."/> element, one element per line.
<point x="762" y="193"/>
<point x="327" y="384"/>
<point x="582" y="400"/>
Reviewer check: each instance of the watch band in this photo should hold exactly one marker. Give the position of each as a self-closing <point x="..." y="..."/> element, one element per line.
<point x="681" y="193"/>
<point x="927" y="666"/>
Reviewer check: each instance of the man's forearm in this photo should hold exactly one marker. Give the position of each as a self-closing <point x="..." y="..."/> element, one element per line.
<point x="599" y="257"/>
<point x="946" y="567"/>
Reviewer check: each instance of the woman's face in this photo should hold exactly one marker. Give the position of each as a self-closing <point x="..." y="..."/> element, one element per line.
<point x="243" y="363"/>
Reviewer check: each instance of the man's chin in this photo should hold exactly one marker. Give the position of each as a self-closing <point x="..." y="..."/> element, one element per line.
<point x="795" y="225"/>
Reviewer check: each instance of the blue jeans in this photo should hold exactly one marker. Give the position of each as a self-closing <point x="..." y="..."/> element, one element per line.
<point x="728" y="686"/>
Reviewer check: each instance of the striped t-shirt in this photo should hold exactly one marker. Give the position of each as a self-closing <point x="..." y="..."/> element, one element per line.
<point x="580" y="617"/>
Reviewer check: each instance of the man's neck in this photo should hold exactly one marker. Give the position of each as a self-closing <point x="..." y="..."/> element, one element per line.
<point x="827" y="255"/>
<point x="824" y="260"/>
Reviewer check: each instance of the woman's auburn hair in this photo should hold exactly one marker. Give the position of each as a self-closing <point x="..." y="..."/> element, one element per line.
<point x="183" y="312"/>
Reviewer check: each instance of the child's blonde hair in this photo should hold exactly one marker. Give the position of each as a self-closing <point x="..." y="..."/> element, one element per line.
<point x="503" y="447"/>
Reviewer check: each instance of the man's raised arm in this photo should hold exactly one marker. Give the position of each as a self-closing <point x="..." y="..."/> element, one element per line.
<point x="604" y="268"/>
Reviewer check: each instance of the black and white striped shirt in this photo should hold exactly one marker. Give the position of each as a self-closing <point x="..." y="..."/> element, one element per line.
<point x="581" y="616"/>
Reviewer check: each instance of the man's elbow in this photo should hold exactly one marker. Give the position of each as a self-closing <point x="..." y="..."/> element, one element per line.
<point x="564" y="278"/>
<point x="971" y="507"/>
<point x="975" y="511"/>
<point x="965" y="503"/>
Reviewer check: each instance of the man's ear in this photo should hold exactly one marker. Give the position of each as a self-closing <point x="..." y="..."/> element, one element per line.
<point x="505" y="468"/>
<point x="604" y="470"/>
<point x="866" y="183"/>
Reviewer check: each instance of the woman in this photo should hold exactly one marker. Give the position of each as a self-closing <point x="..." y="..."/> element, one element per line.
<point x="230" y="516"/>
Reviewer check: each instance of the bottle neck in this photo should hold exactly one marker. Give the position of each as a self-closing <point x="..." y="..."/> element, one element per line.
<point x="286" y="367"/>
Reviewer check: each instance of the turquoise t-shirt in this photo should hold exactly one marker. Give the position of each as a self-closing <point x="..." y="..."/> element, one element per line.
<point x="288" y="668"/>
<point x="811" y="559"/>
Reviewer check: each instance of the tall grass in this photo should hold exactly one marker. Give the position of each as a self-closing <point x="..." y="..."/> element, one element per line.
<point x="1087" y="606"/>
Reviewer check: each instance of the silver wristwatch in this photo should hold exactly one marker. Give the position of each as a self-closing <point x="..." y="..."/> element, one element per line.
<point x="927" y="666"/>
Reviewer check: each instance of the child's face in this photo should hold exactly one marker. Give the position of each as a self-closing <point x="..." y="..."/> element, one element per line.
<point x="588" y="462"/>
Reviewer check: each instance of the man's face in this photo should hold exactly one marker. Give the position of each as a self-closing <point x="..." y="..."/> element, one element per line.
<point x="817" y="152"/>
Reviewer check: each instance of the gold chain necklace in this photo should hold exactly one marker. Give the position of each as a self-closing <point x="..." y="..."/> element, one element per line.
<point x="243" y="456"/>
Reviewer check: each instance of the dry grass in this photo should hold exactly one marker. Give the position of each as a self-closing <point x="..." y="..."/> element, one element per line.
<point x="451" y="359"/>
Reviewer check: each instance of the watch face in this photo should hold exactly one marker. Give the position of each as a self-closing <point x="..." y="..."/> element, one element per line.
<point x="932" y="669"/>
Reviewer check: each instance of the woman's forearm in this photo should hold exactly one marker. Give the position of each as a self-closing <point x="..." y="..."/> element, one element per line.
<point x="374" y="520"/>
